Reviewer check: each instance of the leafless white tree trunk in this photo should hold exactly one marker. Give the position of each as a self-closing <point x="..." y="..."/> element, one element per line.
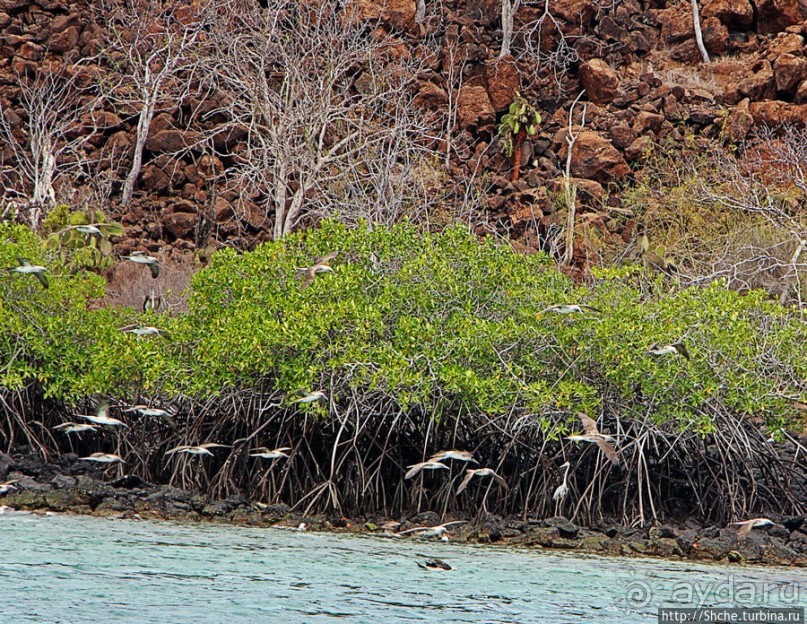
<point x="51" y="127"/>
<point x="509" y="10"/>
<point x="324" y="105"/>
<point x="569" y="189"/>
<point x="154" y="45"/>
<point x="698" y="33"/>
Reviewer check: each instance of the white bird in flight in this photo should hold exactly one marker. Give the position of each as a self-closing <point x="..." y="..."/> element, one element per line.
<point x="141" y="258"/>
<point x="71" y="427"/>
<point x="201" y="449"/>
<point x="102" y="416"/>
<point x="36" y="270"/>
<point x="104" y="458"/>
<point x="414" y="469"/>
<point x="466" y="456"/>
<point x="320" y="266"/>
<point x="435" y="531"/>
<point x="747" y="525"/>
<point x="266" y="453"/>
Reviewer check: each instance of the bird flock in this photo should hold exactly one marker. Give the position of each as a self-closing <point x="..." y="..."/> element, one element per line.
<point x="437" y="462"/>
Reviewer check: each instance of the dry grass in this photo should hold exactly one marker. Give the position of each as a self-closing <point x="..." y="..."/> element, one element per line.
<point x="130" y="283"/>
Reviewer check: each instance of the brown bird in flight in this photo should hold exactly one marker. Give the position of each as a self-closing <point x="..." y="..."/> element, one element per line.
<point x="747" y="525"/>
<point x="481" y="472"/>
<point x="592" y="434"/>
<point x="320" y="266"/>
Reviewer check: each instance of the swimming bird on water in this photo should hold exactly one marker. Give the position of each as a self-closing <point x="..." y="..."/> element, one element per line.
<point x="267" y="453"/>
<point x="563" y="489"/>
<point x="414" y="469"/>
<point x="435" y="531"/>
<point x="434" y="564"/>
<point x="201" y="449"/>
<point x="320" y="266"/>
<point x="747" y="525"/>
<point x="8" y="486"/>
<point x="466" y="456"/>
<point x="102" y="416"/>
<point x="71" y="427"/>
<point x="141" y="258"/>
<point x="573" y="308"/>
<point x="678" y="348"/>
<point x="141" y="331"/>
<point x="592" y="434"/>
<point x="316" y="395"/>
<point x="104" y="458"/>
<point x="481" y="472"/>
<point x="31" y="269"/>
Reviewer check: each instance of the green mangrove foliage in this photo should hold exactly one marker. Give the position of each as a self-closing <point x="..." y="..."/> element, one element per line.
<point x="420" y="341"/>
<point x="438" y="322"/>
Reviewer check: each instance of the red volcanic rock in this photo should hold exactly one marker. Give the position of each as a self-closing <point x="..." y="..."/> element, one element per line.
<point x="503" y="82"/>
<point x="595" y="158"/>
<point x="738" y="123"/>
<point x="736" y="14"/>
<point x="774" y="113"/>
<point x="168" y="141"/>
<point x="474" y="107"/>
<point x="775" y="15"/>
<point x="739" y="79"/>
<point x="179" y="224"/>
<point x="599" y="80"/>
<point x="789" y="71"/>
<point x="430" y="96"/>
<point x="154" y="179"/>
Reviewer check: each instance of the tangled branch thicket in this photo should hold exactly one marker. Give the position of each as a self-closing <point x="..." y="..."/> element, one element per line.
<point x="421" y="342"/>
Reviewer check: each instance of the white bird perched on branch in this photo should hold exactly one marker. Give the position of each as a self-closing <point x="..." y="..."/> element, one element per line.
<point x="563" y="489"/>
<point x="414" y="469"/>
<point x="27" y="268"/>
<point x="481" y="472"/>
<point x="141" y="258"/>
<point x="746" y="525"/>
<point x="592" y="434"/>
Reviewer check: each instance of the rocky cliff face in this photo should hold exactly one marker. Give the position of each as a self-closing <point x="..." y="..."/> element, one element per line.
<point x="637" y="64"/>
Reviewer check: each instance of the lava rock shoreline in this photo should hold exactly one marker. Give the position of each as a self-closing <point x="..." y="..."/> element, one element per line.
<point x="46" y="487"/>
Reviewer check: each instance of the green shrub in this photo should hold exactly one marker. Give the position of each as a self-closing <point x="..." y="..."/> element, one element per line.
<point x="438" y="323"/>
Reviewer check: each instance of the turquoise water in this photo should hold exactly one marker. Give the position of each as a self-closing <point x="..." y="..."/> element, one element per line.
<point x="82" y="569"/>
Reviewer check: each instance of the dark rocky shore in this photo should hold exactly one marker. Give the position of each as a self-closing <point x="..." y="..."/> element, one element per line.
<point x="71" y="486"/>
